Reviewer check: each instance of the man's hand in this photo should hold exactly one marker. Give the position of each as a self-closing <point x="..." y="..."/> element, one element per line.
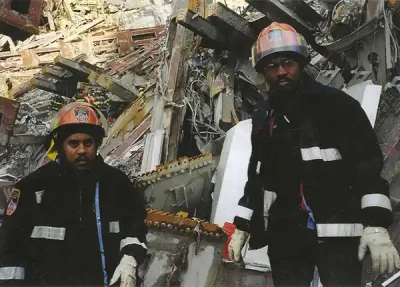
<point x="235" y="246"/>
<point x="385" y="257"/>
<point x="126" y="271"/>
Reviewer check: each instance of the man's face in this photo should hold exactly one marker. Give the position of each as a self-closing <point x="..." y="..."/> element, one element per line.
<point x="282" y="73"/>
<point x="80" y="150"/>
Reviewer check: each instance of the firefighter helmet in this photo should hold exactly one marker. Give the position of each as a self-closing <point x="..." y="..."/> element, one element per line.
<point x="278" y="38"/>
<point x="79" y="113"/>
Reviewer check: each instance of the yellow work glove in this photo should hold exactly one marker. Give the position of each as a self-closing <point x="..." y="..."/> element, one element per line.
<point x="236" y="245"/>
<point x="385" y="257"/>
<point x="126" y="271"/>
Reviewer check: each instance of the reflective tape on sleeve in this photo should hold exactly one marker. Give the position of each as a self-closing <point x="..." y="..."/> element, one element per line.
<point x="12" y="273"/>
<point x="131" y="240"/>
<point x="244" y="212"/>
<point x="376" y="199"/>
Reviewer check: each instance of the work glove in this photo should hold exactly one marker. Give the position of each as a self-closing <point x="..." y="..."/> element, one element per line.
<point x="385" y="257"/>
<point x="126" y="271"/>
<point x="236" y="244"/>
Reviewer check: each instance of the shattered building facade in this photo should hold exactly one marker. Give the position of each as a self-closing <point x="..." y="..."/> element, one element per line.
<point x="176" y="85"/>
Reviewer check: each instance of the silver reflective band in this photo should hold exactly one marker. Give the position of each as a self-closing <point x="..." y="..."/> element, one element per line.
<point x="131" y="240"/>
<point x="12" y="273"/>
<point x="244" y="212"/>
<point x="376" y="199"/>
<point x="269" y="199"/>
<point x="340" y="230"/>
<point x="47" y="232"/>
<point x="315" y="153"/>
<point x="258" y="167"/>
<point x="39" y="195"/>
<point x="114" y="227"/>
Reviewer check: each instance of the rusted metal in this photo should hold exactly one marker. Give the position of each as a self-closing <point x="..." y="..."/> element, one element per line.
<point x="8" y="114"/>
<point x="122" y="66"/>
<point x="29" y="22"/>
<point x="175" y="167"/>
<point x="138" y="37"/>
<point x="116" y="64"/>
<point x="170" y="221"/>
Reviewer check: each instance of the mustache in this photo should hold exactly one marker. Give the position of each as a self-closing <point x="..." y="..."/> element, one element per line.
<point x="287" y="79"/>
<point x="82" y="158"/>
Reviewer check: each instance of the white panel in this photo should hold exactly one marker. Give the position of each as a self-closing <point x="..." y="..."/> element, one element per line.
<point x="231" y="175"/>
<point x="152" y="151"/>
<point x="368" y="95"/>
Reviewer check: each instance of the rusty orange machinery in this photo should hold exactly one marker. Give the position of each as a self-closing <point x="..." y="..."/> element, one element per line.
<point x="175" y="222"/>
<point x="393" y="4"/>
<point x="24" y="15"/>
<point x="178" y="166"/>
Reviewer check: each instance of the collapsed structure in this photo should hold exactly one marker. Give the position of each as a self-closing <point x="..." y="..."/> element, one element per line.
<point x="176" y="85"/>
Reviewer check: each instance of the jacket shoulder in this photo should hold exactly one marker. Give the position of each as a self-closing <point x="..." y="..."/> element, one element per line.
<point x="115" y="174"/>
<point x="335" y="95"/>
<point x="37" y="179"/>
<point x="334" y="101"/>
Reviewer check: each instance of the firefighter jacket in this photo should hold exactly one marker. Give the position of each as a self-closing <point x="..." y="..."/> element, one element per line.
<point x="324" y="147"/>
<point x="64" y="229"/>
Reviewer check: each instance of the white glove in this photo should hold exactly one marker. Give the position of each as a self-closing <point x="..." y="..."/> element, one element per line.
<point x="236" y="244"/>
<point x="385" y="257"/>
<point x="126" y="270"/>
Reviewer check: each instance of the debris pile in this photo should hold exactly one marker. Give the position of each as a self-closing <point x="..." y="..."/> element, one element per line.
<point x="101" y="52"/>
<point x="102" y="30"/>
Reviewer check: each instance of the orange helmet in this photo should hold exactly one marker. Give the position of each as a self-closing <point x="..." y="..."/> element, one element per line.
<point x="278" y="38"/>
<point x="78" y="114"/>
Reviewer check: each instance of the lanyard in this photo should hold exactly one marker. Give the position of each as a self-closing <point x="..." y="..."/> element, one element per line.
<point x="100" y="236"/>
